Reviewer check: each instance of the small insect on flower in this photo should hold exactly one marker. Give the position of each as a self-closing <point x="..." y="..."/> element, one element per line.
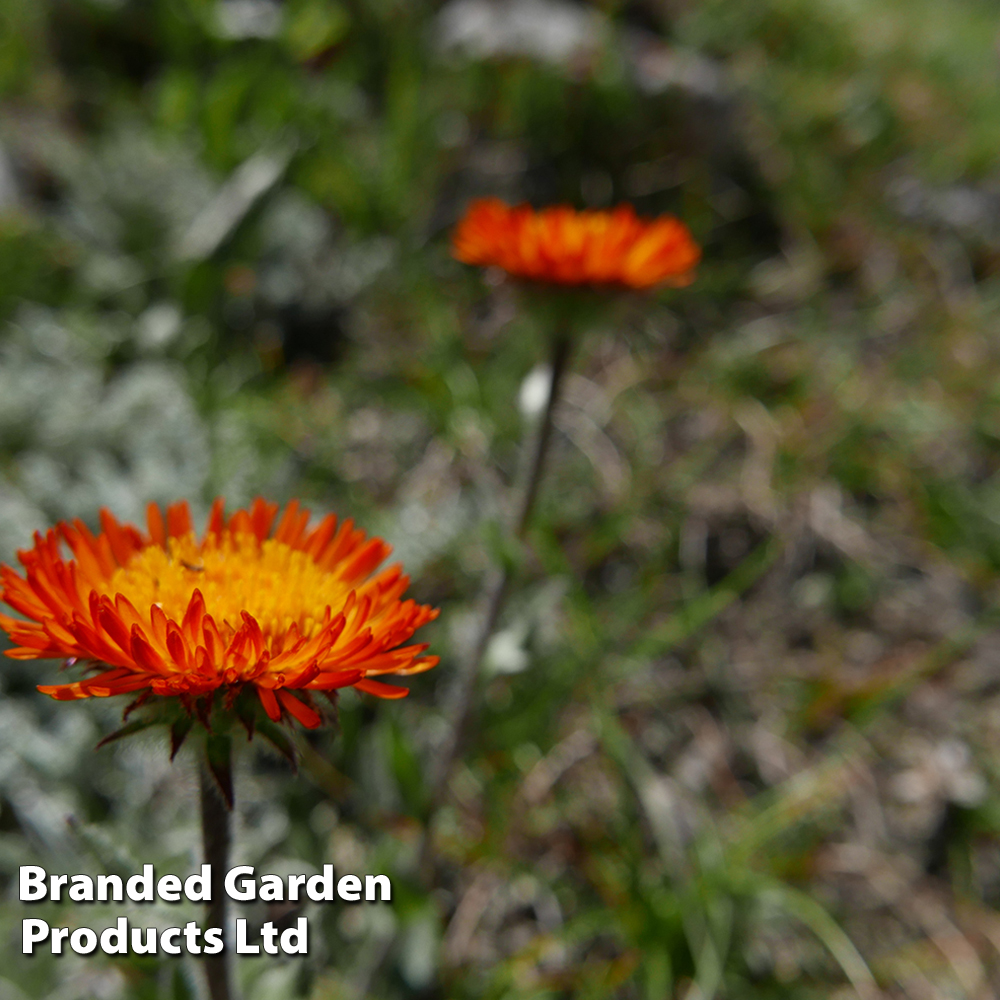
<point x="164" y="613"/>
<point x="565" y="247"/>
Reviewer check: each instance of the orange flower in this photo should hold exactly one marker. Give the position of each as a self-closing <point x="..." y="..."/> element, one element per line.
<point x="566" y="247"/>
<point x="296" y="610"/>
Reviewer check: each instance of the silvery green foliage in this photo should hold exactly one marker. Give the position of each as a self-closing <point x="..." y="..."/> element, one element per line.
<point x="80" y="437"/>
<point x="127" y="189"/>
<point x="248" y="19"/>
<point x="306" y="261"/>
<point x="548" y="30"/>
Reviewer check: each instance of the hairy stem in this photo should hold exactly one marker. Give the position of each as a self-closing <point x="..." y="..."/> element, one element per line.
<point x="216" y="786"/>
<point x="497" y="585"/>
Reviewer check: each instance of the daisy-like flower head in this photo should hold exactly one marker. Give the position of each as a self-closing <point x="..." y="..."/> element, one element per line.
<point x="564" y="247"/>
<point x="285" y="614"/>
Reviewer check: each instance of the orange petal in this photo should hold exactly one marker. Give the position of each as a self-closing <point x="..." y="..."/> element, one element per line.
<point x="381" y="690"/>
<point x="155" y="523"/>
<point x="306" y="715"/>
<point x="179" y="523"/>
<point x="270" y="703"/>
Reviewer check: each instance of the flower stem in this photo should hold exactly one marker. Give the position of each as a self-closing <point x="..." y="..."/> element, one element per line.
<point x="496" y="591"/>
<point x="216" y="787"/>
<point x="560" y="359"/>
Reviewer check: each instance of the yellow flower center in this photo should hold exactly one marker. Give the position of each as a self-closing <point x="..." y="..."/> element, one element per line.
<point x="271" y="581"/>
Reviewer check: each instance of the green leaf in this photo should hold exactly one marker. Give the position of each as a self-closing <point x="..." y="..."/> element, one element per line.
<point x="280" y="740"/>
<point x="219" y="757"/>
<point x="133" y="727"/>
<point x="313" y="27"/>
<point x="178" y="733"/>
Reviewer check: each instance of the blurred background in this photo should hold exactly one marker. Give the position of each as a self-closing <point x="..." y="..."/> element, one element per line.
<point x="737" y="735"/>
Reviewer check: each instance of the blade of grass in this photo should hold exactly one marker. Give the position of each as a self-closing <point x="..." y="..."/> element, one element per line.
<point x="804" y="794"/>
<point x="814" y="916"/>
<point x="698" y="612"/>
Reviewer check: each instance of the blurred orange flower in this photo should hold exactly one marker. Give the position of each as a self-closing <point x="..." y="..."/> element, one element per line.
<point x="566" y="247"/>
<point x="168" y="614"/>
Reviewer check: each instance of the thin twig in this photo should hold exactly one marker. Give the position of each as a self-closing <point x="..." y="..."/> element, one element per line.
<point x="216" y="838"/>
<point x="496" y="590"/>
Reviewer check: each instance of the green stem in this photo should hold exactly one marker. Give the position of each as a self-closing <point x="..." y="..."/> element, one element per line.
<point x="216" y="788"/>
<point x="496" y="591"/>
